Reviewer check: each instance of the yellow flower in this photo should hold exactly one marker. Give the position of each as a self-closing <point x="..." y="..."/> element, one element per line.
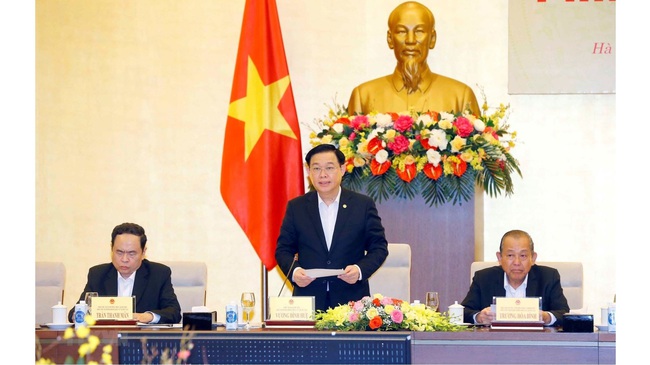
<point x="82" y="332"/>
<point x="93" y="341"/>
<point x="326" y="139"/>
<point x="467" y="156"/>
<point x="84" y="349"/>
<point x="68" y="334"/>
<point x="445" y="124"/>
<point x="359" y="161"/>
<point x="390" y="135"/>
<point x="389" y="308"/>
<point x="372" y="313"/>
<point x="343" y="142"/>
<point x="457" y="143"/>
<point x="90" y="320"/>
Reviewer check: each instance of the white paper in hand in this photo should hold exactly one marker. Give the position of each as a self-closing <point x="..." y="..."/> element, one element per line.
<point x="321" y="273"/>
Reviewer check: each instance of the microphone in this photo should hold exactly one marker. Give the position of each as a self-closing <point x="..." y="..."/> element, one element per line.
<point x="295" y="258"/>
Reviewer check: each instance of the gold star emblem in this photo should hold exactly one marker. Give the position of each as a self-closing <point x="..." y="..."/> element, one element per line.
<point x="259" y="108"/>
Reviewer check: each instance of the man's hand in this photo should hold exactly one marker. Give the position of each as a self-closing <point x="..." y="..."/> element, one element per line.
<point x="545" y="317"/>
<point x="486" y="316"/>
<point x="351" y="274"/>
<point x="300" y="278"/>
<point x="145" y="317"/>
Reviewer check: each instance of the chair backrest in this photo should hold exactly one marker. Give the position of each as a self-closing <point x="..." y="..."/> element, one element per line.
<point x="393" y="278"/>
<point x="570" y="277"/>
<point x="190" y="279"/>
<point x="50" y="285"/>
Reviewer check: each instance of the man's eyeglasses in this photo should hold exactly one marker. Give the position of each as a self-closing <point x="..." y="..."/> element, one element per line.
<point x="316" y="170"/>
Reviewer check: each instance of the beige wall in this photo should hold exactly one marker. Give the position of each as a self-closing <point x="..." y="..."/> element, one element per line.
<point x="131" y="104"/>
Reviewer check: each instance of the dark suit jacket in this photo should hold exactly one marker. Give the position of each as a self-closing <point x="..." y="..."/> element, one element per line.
<point x="543" y="282"/>
<point x="152" y="289"/>
<point x="358" y="239"/>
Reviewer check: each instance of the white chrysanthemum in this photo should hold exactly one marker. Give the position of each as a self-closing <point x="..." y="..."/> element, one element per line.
<point x="426" y="119"/>
<point x="381" y="156"/>
<point x="374" y="133"/>
<point x="438" y="138"/>
<point x="479" y="125"/>
<point x="447" y="116"/>
<point x="338" y="127"/>
<point x="433" y="157"/>
<point x="384" y="120"/>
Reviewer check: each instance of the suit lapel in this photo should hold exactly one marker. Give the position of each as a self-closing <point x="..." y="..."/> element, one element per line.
<point x="141" y="281"/>
<point x="499" y="285"/>
<point x="111" y="281"/>
<point x="342" y="217"/>
<point x="314" y="217"/>
<point x="533" y="283"/>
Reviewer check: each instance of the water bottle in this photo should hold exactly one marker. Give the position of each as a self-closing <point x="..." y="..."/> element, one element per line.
<point x="611" y="317"/>
<point x="80" y="311"/>
<point x="231" y="316"/>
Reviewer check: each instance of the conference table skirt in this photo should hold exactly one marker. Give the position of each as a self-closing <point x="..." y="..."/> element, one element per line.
<point x="475" y="346"/>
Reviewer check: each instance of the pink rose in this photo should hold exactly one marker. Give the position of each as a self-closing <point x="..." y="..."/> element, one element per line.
<point x="399" y="144"/>
<point x="354" y="316"/>
<point x="359" y="122"/>
<point x="464" y="126"/>
<point x="403" y="123"/>
<point x="397" y="316"/>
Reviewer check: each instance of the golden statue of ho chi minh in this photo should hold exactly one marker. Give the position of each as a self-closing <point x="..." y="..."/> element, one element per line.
<point x="412" y="86"/>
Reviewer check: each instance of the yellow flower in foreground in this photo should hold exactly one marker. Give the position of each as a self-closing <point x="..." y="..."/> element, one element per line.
<point x="82" y="332"/>
<point x="90" y="320"/>
<point x="69" y="333"/>
<point x="84" y="349"/>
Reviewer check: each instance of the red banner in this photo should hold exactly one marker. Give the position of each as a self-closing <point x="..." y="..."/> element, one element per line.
<point x="262" y="161"/>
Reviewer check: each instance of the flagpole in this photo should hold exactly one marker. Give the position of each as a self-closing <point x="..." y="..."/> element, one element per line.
<point x="265" y="290"/>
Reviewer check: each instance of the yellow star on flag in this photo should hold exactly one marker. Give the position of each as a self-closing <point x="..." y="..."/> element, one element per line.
<point x="259" y="108"/>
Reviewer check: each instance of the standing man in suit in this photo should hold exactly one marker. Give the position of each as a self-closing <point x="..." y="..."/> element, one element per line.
<point x="130" y="273"/>
<point x="330" y="228"/>
<point x="517" y="277"/>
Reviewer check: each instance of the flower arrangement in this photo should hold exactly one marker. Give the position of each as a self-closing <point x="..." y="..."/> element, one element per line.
<point x="380" y="313"/>
<point x="439" y="155"/>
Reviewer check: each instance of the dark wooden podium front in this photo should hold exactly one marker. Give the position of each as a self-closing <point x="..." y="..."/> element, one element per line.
<point x="444" y="240"/>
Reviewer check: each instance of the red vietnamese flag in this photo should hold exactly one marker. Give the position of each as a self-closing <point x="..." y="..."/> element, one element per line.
<point x="261" y="168"/>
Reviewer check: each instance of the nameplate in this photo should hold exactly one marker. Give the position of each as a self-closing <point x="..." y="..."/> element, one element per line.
<point x="291" y="308"/>
<point x="518" y="309"/>
<point x="116" y="308"/>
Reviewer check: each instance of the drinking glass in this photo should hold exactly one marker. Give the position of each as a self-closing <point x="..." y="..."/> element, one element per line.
<point x="432" y="300"/>
<point x="248" y="303"/>
<point x="89" y="299"/>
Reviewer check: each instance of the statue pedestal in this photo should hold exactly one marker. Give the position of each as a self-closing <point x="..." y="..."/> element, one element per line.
<point x="444" y="240"/>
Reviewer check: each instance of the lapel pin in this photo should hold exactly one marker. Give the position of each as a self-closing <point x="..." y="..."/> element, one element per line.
<point x="345" y="206"/>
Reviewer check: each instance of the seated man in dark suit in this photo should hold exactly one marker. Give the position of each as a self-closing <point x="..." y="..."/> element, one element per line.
<point x="517" y="277"/>
<point x="149" y="282"/>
